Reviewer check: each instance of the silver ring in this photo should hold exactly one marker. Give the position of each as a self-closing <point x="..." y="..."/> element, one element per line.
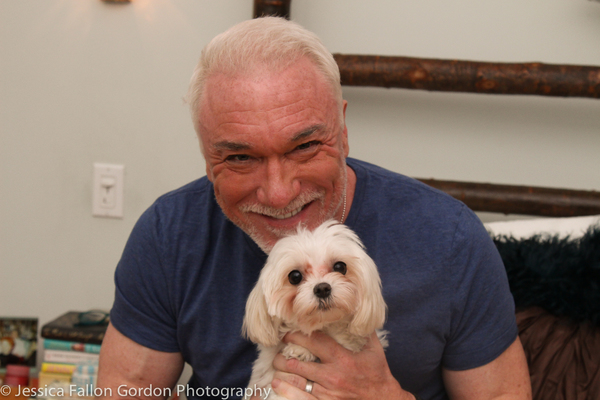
<point x="309" y="386"/>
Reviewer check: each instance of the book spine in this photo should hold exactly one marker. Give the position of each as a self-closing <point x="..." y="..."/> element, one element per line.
<point x="69" y="357"/>
<point x="72" y="335"/>
<point x="67" y="345"/>
<point x="57" y="368"/>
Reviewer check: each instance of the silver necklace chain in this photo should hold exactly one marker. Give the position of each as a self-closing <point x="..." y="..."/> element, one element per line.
<point x="343" y="209"/>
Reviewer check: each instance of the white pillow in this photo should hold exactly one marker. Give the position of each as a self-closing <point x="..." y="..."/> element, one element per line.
<point x="573" y="227"/>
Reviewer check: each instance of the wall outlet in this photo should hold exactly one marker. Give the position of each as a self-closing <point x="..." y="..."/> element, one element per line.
<point x="107" y="196"/>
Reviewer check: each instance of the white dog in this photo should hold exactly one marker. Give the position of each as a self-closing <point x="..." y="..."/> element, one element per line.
<point x="321" y="280"/>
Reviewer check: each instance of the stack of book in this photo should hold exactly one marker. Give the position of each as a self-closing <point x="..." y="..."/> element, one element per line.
<point x="68" y="344"/>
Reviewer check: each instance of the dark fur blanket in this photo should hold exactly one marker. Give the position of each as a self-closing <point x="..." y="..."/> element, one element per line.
<point x="560" y="275"/>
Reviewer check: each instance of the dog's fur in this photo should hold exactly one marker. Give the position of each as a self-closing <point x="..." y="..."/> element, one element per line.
<point x="350" y="313"/>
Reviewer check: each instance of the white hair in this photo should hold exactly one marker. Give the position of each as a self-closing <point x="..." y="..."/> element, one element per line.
<point x="269" y="43"/>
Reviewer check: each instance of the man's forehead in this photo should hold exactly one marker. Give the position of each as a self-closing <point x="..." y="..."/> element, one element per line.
<point x="245" y="109"/>
<point x="237" y="110"/>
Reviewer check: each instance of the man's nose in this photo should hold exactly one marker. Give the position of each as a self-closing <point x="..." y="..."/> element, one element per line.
<point x="279" y="185"/>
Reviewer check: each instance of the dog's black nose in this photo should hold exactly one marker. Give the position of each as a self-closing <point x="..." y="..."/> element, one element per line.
<point x="322" y="290"/>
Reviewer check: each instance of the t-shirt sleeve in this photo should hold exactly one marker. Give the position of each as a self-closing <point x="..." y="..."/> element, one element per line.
<point x="143" y="307"/>
<point x="483" y="311"/>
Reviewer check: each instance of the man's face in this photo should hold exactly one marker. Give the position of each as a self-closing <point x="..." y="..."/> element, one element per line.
<point x="275" y="150"/>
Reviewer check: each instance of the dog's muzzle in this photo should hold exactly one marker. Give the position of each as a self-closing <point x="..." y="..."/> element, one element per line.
<point x="322" y="290"/>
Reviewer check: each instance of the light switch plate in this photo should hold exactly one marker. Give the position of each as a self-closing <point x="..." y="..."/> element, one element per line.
<point x="107" y="196"/>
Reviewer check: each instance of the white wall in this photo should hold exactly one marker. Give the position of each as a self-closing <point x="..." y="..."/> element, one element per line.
<point x="83" y="81"/>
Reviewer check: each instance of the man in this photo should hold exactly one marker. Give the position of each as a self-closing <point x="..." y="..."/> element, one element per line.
<point x="267" y="106"/>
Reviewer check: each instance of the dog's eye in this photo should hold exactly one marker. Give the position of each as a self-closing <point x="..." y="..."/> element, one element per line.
<point x="295" y="277"/>
<point x="340" y="267"/>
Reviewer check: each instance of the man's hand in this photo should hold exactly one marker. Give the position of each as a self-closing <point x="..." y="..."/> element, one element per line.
<point x="341" y="374"/>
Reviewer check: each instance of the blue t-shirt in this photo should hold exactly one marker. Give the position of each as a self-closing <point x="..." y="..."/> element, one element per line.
<point x="186" y="272"/>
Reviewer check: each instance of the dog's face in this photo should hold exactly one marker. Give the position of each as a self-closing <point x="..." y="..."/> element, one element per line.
<point x="314" y="279"/>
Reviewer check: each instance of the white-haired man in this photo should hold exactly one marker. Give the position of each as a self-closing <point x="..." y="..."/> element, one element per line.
<point x="267" y="106"/>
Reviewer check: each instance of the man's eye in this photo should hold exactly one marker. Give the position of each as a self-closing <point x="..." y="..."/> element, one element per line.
<point x="238" y="158"/>
<point x="307" y="145"/>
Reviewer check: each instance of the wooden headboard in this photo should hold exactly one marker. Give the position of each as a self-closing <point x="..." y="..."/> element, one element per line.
<point x="477" y="77"/>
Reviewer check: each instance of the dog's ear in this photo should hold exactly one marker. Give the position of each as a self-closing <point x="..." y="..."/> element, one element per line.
<point x="258" y="325"/>
<point x="371" y="311"/>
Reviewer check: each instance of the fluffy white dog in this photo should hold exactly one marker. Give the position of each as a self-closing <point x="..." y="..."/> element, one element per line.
<point x="321" y="280"/>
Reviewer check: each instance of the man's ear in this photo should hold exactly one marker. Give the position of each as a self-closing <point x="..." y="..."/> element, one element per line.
<point x="209" y="174"/>
<point x="345" y="129"/>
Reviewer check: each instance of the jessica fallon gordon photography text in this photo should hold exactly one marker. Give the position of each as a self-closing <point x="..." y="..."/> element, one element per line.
<point x="126" y="391"/>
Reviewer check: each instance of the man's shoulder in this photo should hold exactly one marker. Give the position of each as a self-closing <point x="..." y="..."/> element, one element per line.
<point x="194" y="189"/>
<point x="388" y="206"/>
<point x="382" y="187"/>
<point x="186" y="209"/>
<point x="194" y="197"/>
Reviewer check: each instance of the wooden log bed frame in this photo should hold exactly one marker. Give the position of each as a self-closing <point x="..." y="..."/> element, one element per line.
<point x="477" y="77"/>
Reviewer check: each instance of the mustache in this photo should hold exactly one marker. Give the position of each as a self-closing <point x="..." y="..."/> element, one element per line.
<point x="295" y="205"/>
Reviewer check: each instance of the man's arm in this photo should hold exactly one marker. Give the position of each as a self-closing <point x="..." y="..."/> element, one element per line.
<point x="125" y="365"/>
<point x="507" y="377"/>
<point x="342" y="374"/>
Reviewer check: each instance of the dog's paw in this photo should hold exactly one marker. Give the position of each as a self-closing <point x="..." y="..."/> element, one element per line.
<point x="298" y="352"/>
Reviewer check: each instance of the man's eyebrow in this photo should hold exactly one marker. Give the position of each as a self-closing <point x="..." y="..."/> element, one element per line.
<point x="227" y="145"/>
<point x="231" y="146"/>
<point x="307" y="132"/>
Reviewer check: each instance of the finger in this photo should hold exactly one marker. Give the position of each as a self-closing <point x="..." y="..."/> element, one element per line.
<point x="306" y="370"/>
<point x="292" y="379"/>
<point x="291" y="392"/>
<point x="299" y="382"/>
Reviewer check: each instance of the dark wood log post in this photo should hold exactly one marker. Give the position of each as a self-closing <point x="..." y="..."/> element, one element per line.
<point x="521" y="200"/>
<point x="469" y="76"/>
<point x="279" y="8"/>
<point x="456" y="75"/>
